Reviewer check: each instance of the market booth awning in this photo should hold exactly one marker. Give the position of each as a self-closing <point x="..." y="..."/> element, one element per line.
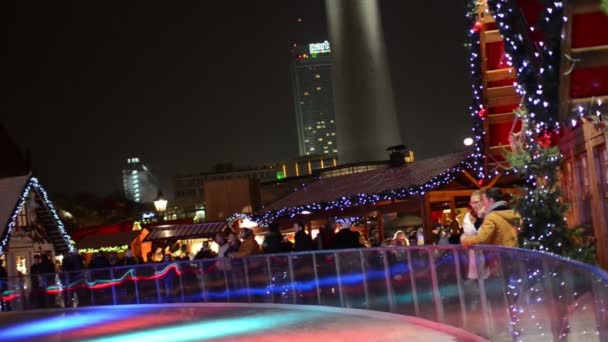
<point x="94" y="242"/>
<point x="371" y="186"/>
<point x="190" y="231"/>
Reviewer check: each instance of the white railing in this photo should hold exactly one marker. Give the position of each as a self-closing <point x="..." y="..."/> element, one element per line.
<point x="522" y="294"/>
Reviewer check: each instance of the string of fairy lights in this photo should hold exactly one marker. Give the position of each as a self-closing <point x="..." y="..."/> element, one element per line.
<point x="33" y="184"/>
<point x="477" y="110"/>
<point x="537" y="66"/>
<point x="342" y="203"/>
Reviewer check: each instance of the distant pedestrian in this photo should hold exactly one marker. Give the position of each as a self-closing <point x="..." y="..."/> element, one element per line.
<point x="272" y="241"/>
<point x="248" y="247"/>
<point x="326" y="237"/>
<point x="346" y="237"/>
<point x="303" y="240"/>
<point x="400" y="239"/>
<point x="205" y="252"/>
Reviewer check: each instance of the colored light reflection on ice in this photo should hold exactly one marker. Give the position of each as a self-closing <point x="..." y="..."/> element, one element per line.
<point x="214" y="328"/>
<point x="65" y="322"/>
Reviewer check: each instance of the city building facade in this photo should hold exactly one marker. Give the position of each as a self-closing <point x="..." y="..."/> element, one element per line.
<point x="189" y="189"/>
<point x="313" y="97"/>
<point x="139" y="184"/>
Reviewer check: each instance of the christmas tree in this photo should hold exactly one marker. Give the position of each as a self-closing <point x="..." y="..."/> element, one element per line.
<point x="537" y="159"/>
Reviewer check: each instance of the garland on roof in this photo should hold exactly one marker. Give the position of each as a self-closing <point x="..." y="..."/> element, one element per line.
<point x="30" y="185"/>
<point x="369" y="199"/>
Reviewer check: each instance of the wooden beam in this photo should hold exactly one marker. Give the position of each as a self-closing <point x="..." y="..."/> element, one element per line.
<point x="501" y="118"/>
<point x="500" y="147"/>
<point x="503" y="101"/>
<point x="564" y="80"/>
<point x="588" y="100"/>
<point x="492" y="36"/>
<point x="585" y="6"/>
<point x="381" y="226"/>
<point x="444" y="196"/>
<point x="494" y="180"/>
<point x="470" y="178"/>
<point x="502" y="91"/>
<point x="500" y="75"/>
<point x="590" y="57"/>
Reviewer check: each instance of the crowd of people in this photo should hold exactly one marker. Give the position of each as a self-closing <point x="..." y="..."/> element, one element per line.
<point x="489" y="221"/>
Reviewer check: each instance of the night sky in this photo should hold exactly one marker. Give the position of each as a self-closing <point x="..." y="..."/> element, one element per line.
<point x="185" y="85"/>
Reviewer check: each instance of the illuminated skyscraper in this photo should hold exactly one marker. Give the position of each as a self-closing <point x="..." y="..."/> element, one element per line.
<point x="139" y="185"/>
<point x="313" y="97"/>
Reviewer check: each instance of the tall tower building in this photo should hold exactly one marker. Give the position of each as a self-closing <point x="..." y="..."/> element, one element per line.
<point x="139" y="185"/>
<point x="313" y="96"/>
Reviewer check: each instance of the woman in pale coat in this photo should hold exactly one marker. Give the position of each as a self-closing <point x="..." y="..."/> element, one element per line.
<point x="470" y="223"/>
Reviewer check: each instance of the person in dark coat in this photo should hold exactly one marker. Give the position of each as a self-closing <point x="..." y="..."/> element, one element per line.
<point x="346" y="238"/>
<point x="272" y="241"/>
<point x="4" y="306"/>
<point x="303" y="240"/>
<point x="129" y="259"/>
<point x="326" y="237"/>
<point x="99" y="261"/>
<point x="205" y="252"/>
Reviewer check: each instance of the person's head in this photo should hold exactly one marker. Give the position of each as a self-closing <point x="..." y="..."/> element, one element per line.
<point x="298" y="226"/>
<point x="36" y="259"/>
<point x="331" y="224"/>
<point x="375" y="234"/>
<point x="246" y="233"/>
<point x="233" y="239"/>
<point x="399" y="235"/>
<point x="274" y="227"/>
<point x="220" y="238"/>
<point x="476" y="204"/>
<point x="491" y="196"/>
<point x="205" y="245"/>
<point x="388" y="242"/>
<point x="399" y="238"/>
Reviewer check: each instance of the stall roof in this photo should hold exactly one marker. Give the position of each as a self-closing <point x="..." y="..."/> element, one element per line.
<point x="422" y="173"/>
<point x="97" y="241"/>
<point x="13" y="195"/>
<point x="190" y="231"/>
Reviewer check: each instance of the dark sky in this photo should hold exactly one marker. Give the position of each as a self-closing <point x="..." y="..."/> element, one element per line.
<point x="185" y="85"/>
